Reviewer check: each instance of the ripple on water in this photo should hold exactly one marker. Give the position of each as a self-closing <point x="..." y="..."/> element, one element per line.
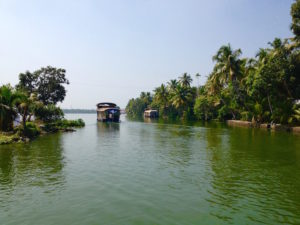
<point x="137" y="173"/>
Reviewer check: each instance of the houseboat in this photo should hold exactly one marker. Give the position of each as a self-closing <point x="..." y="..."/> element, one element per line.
<point x="108" y="112"/>
<point x="151" y="113"/>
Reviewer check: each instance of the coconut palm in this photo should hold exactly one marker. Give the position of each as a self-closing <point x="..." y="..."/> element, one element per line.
<point x="181" y="98"/>
<point x="25" y="106"/>
<point x="262" y="55"/>
<point x="161" y="94"/>
<point x="185" y="80"/>
<point x="228" y="64"/>
<point x="172" y="84"/>
<point x="8" y="112"/>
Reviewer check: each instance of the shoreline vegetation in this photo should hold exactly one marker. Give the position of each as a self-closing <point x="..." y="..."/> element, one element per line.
<point x="79" y="111"/>
<point x="30" y="109"/>
<point x="263" y="91"/>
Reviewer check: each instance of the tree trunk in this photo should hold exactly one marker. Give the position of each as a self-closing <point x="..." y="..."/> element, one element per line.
<point x="24" y="118"/>
<point x="270" y="106"/>
<point x="287" y="89"/>
<point x="233" y="115"/>
<point x="24" y="121"/>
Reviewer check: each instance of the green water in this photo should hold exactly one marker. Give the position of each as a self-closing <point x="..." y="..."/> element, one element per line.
<point x="152" y="173"/>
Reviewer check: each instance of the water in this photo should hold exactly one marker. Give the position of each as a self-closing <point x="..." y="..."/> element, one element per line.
<point x="152" y="173"/>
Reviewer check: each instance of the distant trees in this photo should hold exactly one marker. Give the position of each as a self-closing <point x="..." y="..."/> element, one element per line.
<point x="136" y="107"/>
<point x="172" y="100"/>
<point x="262" y="89"/>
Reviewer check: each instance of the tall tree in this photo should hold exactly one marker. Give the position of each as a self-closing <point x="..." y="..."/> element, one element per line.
<point x="185" y="80"/>
<point x="228" y="64"/>
<point x="25" y="106"/>
<point x="181" y="99"/>
<point x="47" y="83"/>
<point x="172" y="84"/>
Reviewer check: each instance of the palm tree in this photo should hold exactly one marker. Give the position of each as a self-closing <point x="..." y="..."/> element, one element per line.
<point x="262" y="55"/>
<point x="172" y="84"/>
<point x="213" y="84"/>
<point x="181" y="98"/>
<point x="185" y="80"/>
<point x="8" y="99"/>
<point x="25" y="106"/>
<point x="161" y="96"/>
<point x="197" y="75"/>
<point x="228" y="64"/>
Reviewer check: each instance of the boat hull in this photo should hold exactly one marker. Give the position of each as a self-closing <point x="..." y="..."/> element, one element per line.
<point x="109" y="115"/>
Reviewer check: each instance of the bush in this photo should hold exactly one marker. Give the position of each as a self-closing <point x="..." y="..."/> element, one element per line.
<point x="31" y="130"/>
<point x="62" y="125"/>
<point x="48" y="113"/>
<point x="246" y="116"/>
<point x="204" y="108"/>
<point x="70" y="123"/>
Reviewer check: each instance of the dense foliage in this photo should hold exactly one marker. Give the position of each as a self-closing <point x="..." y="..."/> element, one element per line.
<point x="34" y="101"/>
<point x="136" y="107"/>
<point x="46" y="83"/>
<point x="261" y="89"/>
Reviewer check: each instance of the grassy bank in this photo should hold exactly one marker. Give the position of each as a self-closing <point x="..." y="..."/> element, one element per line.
<point x="37" y="128"/>
<point x="7" y="138"/>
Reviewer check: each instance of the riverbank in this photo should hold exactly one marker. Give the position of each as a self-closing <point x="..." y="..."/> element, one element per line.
<point x="35" y="129"/>
<point x="269" y="126"/>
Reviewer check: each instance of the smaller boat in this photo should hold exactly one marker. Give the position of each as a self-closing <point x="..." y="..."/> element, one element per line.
<point x="108" y="112"/>
<point x="151" y="113"/>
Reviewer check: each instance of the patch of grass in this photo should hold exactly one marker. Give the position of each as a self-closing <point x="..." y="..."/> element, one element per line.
<point x="63" y="125"/>
<point x="70" y="123"/>
<point x="33" y="130"/>
<point x="6" y="138"/>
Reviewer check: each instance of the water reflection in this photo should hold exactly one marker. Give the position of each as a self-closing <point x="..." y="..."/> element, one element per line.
<point x="240" y="186"/>
<point x="152" y="173"/>
<point x="109" y="127"/>
<point x="174" y="144"/>
<point x="108" y="134"/>
<point x="37" y="164"/>
<point x="150" y="120"/>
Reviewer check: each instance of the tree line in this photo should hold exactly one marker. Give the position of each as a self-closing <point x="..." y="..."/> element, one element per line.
<point x="265" y="88"/>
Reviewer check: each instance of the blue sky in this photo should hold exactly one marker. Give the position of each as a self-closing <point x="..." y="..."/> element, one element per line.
<point x="112" y="50"/>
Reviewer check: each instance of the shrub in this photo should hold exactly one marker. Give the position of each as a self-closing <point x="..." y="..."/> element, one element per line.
<point x="70" y="123"/>
<point x="246" y="116"/>
<point x="48" y="113"/>
<point x="31" y="130"/>
<point x="63" y="124"/>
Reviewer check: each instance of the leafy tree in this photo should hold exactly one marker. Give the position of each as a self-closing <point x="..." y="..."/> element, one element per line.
<point x="48" y="113"/>
<point x="47" y="83"/>
<point x="204" y="108"/>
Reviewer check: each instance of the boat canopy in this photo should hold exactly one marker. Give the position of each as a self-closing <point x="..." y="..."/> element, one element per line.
<point x="106" y="105"/>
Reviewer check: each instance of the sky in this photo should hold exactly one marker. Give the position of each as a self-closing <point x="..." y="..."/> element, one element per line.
<point x="114" y="49"/>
